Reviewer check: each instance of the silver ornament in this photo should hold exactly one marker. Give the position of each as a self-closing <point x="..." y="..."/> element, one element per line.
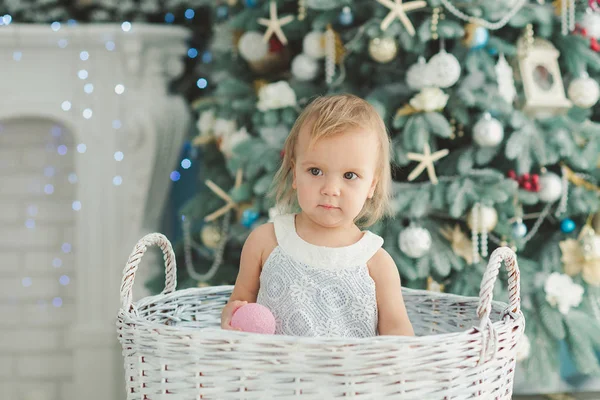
<point x="591" y="24"/>
<point x="551" y="187"/>
<point x="417" y="76"/>
<point x="488" y="131"/>
<point x="313" y="45"/>
<point x="414" y="241"/>
<point x="443" y="69"/>
<point x="305" y="68"/>
<point x="584" y="92"/>
<point x="252" y="47"/>
<point x="383" y="49"/>
<point x="486" y="218"/>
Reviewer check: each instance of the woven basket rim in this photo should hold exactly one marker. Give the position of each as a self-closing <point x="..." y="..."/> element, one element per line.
<point x="144" y="323"/>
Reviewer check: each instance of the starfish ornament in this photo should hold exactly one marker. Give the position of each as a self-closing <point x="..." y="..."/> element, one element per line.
<point x="426" y="160"/>
<point x="221" y="193"/>
<point x="274" y="24"/>
<point x="398" y="10"/>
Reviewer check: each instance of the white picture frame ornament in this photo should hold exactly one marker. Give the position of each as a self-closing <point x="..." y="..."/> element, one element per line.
<point x="536" y="56"/>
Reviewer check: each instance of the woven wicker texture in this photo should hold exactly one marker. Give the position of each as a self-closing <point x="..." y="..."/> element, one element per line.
<point x="174" y="348"/>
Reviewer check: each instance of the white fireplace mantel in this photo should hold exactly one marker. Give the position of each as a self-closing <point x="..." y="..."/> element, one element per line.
<point x="41" y="77"/>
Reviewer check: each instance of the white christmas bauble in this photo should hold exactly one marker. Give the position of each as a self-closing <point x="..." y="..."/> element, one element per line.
<point x="443" y="69"/>
<point x="584" y="92"/>
<point x="591" y="23"/>
<point x="252" y="47"/>
<point x="305" y="68"/>
<point x="313" y="45"/>
<point x="383" y="49"/>
<point x="488" y="132"/>
<point x="486" y="218"/>
<point x="414" y="241"/>
<point x="417" y="76"/>
<point x="551" y="187"/>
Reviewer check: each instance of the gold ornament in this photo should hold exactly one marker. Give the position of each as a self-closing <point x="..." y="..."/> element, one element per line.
<point x="383" y="49"/>
<point x="426" y="160"/>
<point x="211" y="236"/>
<point x="461" y="244"/>
<point x="434" y="286"/>
<point x="398" y="10"/>
<point x="203" y="284"/>
<point x="274" y="24"/>
<point x="579" y="181"/>
<point x="579" y="258"/>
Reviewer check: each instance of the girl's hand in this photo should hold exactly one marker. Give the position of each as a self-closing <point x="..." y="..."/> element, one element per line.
<point x="227" y="313"/>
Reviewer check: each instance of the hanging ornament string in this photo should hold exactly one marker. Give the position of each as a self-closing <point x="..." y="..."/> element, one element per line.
<point x="329" y="54"/>
<point x="475" y="233"/>
<point x="482" y="22"/>
<point x="188" y="243"/>
<point x="301" y="10"/>
<point x="567" y="15"/>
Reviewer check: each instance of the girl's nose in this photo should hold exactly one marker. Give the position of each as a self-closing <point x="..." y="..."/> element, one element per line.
<point x="331" y="187"/>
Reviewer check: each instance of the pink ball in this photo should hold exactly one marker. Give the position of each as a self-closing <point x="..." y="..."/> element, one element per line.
<point x="254" y="317"/>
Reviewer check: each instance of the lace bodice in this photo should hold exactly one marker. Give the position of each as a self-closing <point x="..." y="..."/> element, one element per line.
<point x="319" y="291"/>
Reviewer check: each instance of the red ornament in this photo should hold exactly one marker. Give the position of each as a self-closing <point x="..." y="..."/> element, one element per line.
<point x="527" y="186"/>
<point x="535" y="179"/>
<point x="526" y="177"/>
<point x="512" y="174"/>
<point x="275" y="45"/>
<point x="594" y="45"/>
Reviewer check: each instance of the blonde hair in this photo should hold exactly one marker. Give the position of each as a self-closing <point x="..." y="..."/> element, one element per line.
<point x="331" y="115"/>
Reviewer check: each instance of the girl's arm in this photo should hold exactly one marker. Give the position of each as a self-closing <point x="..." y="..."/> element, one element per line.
<point x="393" y="318"/>
<point x="248" y="279"/>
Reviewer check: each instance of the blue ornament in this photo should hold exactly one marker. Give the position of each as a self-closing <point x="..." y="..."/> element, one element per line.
<point x="492" y="51"/>
<point x="476" y="36"/>
<point x="251" y="3"/>
<point x="346" y="17"/>
<point x="222" y="12"/>
<point x="249" y="216"/>
<point x="519" y="230"/>
<point x="567" y="225"/>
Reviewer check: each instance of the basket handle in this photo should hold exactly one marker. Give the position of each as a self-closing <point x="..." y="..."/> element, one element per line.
<point x="489" y="279"/>
<point x="134" y="260"/>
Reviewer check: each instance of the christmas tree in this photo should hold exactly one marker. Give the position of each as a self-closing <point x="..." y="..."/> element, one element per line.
<point x="490" y="106"/>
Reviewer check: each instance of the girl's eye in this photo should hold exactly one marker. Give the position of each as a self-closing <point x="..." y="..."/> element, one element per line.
<point x="315" y="171"/>
<point x="350" y="175"/>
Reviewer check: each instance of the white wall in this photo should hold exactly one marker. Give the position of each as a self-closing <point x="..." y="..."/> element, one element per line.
<point x="36" y="308"/>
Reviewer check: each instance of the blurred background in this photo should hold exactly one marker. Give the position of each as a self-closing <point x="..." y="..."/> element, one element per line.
<point x="120" y="118"/>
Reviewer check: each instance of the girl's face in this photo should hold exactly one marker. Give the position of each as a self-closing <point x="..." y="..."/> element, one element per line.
<point x="334" y="177"/>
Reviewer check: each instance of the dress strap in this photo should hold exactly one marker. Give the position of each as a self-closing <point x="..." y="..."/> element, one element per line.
<point x="320" y="256"/>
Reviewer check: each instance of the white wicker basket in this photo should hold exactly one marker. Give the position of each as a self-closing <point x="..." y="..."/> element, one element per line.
<point x="174" y="347"/>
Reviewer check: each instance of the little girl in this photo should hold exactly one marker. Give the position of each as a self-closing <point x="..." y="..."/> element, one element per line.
<point x="317" y="272"/>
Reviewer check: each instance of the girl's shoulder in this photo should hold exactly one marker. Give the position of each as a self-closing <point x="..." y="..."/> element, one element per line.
<point x="265" y="240"/>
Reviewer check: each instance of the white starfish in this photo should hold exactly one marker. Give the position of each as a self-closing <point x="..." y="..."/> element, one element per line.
<point x="274" y="24"/>
<point x="398" y="10"/>
<point x="426" y="160"/>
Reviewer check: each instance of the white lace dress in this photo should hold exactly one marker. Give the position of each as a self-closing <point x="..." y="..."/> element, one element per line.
<point x="319" y="291"/>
